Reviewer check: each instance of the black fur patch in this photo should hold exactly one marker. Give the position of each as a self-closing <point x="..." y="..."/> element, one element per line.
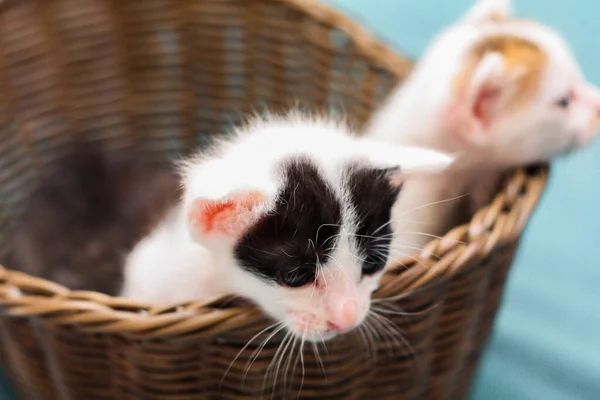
<point x="373" y="197"/>
<point x="287" y="238"/>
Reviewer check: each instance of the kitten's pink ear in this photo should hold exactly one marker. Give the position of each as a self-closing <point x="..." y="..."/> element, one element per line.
<point x="488" y="10"/>
<point x="230" y="216"/>
<point x="476" y="104"/>
<point x="485" y="86"/>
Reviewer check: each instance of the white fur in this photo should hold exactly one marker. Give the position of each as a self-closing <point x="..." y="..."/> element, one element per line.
<point x="482" y="11"/>
<point x="263" y="143"/>
<point x="177" y="262"/>
<point x="167" y="266"/>
<point x="537" y="131"/>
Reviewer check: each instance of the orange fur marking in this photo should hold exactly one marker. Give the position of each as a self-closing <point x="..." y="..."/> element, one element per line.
<point x="497" y="17"/>
<point x="523" y="59"/>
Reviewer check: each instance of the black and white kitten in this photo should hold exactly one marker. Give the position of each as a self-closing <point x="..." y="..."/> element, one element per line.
<point x="292" y="213"/>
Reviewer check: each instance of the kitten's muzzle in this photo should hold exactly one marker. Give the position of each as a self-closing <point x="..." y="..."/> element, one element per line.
<point x="343" y="317"/>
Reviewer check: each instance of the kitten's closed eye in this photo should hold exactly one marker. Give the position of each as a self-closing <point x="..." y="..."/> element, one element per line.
<point x="373" y="263"/>
<point x="298" y="277"/>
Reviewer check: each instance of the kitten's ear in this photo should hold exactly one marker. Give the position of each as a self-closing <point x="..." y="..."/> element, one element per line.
<point x="228" y="217"/>
<point x="408" y="160"/>
<point x="479" y="97"/>
<point x="414" y="160"/>
<point x="418" y="162"/>
<point x="488" y="10"/>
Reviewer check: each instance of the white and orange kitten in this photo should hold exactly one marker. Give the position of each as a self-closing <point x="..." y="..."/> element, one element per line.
<point x="497" y="91"/>
<point x="292" y="213"/>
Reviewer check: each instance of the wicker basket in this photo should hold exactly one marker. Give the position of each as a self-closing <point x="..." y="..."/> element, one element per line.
<point x="162" y="75"/>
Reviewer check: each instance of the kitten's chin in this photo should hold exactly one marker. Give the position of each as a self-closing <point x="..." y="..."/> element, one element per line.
<point x="309" y="328"/>
<point x="302" y="329"/>
<point x="327" y="336"/>
<point x="315" y="336"/>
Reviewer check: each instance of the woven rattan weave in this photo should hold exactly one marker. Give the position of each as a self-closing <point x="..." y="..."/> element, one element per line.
<point x="162" y="75"/>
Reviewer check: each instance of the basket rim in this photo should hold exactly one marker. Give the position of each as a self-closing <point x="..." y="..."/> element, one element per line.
<point x="498" y="224"/>
<point x="366" y="42"/>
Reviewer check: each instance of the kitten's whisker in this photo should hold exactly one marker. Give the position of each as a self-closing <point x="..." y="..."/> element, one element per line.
<point x="321" y="271"/>
<point x="370" y="237"/>
<point x="323" y="343"/>
<point x="287" y="365"/>
<point x="302" y="360"/>
<point x="350" y="234"/>
<point x="382" y="226"/>
<point x="431" y="235"/>
<point x="373" y="337"/>
<point x="414" y="221"/>
<point x="253" y="357"/>
<point x="244" y="348"/>
<point x="383" y="330"/>
<point x="394" y="330"/>
<point x="299" y="356"/>
<point x="382" y="257"/>
<point x="331" y="238"/>
<point x="317" y="273"/>
<point x="397" y="255"/>
<point x="282" y="346"/>
<point x="392" y="246"/>
<point x="318" y="357"/>
<point x="433" y="204"/>
<point x="398" y="311"/>
<point x="369" y="346"/>
<point x="319" y="228"/>
<point x="394" y="253"/>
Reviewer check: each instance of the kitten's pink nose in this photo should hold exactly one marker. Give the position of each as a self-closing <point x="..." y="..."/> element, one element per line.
<point x="590" y="96"/>
<point x="343" y="317"/>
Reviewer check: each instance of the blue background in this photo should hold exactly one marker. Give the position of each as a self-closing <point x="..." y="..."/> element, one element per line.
<point x="546" y="345"/>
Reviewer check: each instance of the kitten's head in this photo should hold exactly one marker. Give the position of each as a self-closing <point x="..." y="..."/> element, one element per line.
<point x="519" y="90"/>
<point x="297" y="212"/>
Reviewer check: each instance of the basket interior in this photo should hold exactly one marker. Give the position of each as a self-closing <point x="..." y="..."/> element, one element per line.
<point x="163" y="78"/>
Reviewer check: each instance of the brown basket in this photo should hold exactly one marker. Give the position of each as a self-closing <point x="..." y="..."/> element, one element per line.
<point x="161" y="75"/>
